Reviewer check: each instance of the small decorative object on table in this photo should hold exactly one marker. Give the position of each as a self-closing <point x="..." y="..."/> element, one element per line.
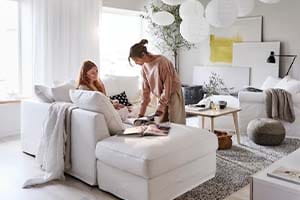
<point x="222" y="104"/>
<point x="224" y="139"/>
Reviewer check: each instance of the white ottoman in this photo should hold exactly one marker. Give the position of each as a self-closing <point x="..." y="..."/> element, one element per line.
<point x="156" y="168"/>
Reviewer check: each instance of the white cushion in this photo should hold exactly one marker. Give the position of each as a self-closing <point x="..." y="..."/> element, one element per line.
<point x="153" y="156"/>
<point x="289" y="84"/>
<point x="97" y="102"/>
<point x="270" y="82"/>
<point x="117" y="84"/>
<point x="61" y="92"/>
<point x="43" y="93"/>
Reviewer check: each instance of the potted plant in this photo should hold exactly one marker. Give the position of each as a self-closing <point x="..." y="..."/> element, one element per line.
<point x="167" y="38"/>
<point x="215" y="86"/>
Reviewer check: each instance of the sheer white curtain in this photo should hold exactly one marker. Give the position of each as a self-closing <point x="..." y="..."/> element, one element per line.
<point x="57" y="36"/>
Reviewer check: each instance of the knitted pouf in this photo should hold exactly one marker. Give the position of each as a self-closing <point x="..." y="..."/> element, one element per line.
<point x="266" y="131"/>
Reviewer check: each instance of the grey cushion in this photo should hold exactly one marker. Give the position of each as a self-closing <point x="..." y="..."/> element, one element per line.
<point x="265" y="131"/>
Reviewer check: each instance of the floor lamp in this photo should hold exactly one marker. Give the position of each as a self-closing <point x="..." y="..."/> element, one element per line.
<point x="271" y="59"/>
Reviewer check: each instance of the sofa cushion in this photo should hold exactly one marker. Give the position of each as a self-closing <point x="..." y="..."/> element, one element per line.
<point x="270" y="82"/>
<point x="61" y="92"/>
<point x="98" y="102"/>
<point x="150" y="157"/>
<point x="43" y="93"/>
<point x="116" y="84"/>
<point x="289" y="84"/>
<point x="122" y="98"/>
<point x="57" y="93"/>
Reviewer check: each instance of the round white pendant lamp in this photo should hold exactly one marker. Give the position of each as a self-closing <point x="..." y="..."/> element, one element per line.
<point x="191" y="8"/>
<point x="245" y="7"/>
<point x="172" y="2"/>
<point x="194" y="30"/>
<point x="162" y="18"/>
<point x="221" y="13"/>
<point x="270" y="1"/>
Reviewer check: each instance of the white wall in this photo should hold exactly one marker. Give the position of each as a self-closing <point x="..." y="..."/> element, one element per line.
<point x="280" y="23"/>
<point x="9" y="119"/>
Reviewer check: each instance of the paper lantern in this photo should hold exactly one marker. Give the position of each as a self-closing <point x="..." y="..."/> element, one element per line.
<point x="163" y="18"/>
<point x="221" y="13"/>
<point x="172" y="2"/>
<point x="191" y="8"/>
<point x="270" y="1"/>
<point x="245" y="7"/>
<point x="194" y="30"/>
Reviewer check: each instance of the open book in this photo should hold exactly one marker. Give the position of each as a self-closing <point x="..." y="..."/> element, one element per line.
<point x="286" y="174"/>
<point x="148" y="130"/>
<point x="141" y="121"/>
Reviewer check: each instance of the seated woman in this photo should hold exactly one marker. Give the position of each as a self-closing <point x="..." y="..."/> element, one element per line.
<point x="89" y="80"/>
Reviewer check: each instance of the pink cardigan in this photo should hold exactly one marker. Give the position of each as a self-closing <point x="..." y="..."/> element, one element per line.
<point x="160" y="78"/>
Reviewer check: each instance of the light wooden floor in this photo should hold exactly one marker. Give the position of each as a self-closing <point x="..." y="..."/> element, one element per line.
<point x="16" y="166"/>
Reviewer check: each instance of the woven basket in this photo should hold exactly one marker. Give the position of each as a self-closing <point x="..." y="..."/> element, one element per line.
<point x="224" y="140"/>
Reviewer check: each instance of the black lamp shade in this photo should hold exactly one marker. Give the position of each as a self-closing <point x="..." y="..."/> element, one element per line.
<point x="271" y="58"/>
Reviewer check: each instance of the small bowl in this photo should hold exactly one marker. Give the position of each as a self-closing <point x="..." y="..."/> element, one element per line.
<point x="222" y="104"/>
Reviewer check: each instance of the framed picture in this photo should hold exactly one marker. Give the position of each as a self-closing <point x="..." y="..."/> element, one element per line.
<point x="246" y="29"/>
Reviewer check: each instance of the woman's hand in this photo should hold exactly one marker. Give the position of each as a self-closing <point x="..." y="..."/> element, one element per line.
<point x="158" y="113"/>
<point x="117" y="105"/>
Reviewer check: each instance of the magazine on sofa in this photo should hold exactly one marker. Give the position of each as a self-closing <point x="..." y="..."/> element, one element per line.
<point x="141" y="121"/>
<point x="286" y="174"/>
<point x="148" y="130"/>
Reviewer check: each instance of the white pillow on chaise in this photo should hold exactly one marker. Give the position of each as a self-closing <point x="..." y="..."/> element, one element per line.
<point x="270" y="82"/>
<point x="98" y="102"/>
<point x="289" y="84"/>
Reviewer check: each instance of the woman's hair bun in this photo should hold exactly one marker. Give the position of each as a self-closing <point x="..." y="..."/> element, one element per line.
<point x="143" y="42"/>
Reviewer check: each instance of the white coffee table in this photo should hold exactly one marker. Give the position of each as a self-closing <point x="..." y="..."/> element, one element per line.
<point x="264" y="187"/>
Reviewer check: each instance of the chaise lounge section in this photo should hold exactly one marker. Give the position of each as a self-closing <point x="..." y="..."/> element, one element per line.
<point x="156" y="168"/>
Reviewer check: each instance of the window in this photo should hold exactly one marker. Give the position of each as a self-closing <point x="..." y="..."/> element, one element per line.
<point x="119" y="30"/>
<point x="9" y="49"/>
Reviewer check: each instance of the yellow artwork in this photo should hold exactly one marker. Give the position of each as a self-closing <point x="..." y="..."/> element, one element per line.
<point x="221" y="48"/>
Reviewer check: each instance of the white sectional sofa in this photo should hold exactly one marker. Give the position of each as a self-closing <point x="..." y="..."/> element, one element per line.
<point x="253" y="106"/>
<point x="132" y="168"/>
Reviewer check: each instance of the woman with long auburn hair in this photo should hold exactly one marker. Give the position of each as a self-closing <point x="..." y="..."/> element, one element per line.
<point x="89" y="80"/>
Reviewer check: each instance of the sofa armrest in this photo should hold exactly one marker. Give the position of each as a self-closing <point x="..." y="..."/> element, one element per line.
<point x="33" y="115"/>
<point x="87" y="129"/>
<point x="255" y="97"/>
<point x="296" y="99"/>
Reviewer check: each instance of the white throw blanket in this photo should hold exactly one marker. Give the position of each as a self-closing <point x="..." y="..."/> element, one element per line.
<point x="53" y="150"/>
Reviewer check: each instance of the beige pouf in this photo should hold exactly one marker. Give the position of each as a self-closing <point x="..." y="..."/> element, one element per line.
<point x="265" y="131"/>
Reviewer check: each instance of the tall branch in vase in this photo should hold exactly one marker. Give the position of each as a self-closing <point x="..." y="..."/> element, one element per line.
<point x="167" y="38"/>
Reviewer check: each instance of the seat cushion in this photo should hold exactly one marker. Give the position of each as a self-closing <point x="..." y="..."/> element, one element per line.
<point x="150" y="157"/>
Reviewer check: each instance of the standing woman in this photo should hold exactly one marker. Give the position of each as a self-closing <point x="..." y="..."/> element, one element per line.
<point x="160" y="79"/>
